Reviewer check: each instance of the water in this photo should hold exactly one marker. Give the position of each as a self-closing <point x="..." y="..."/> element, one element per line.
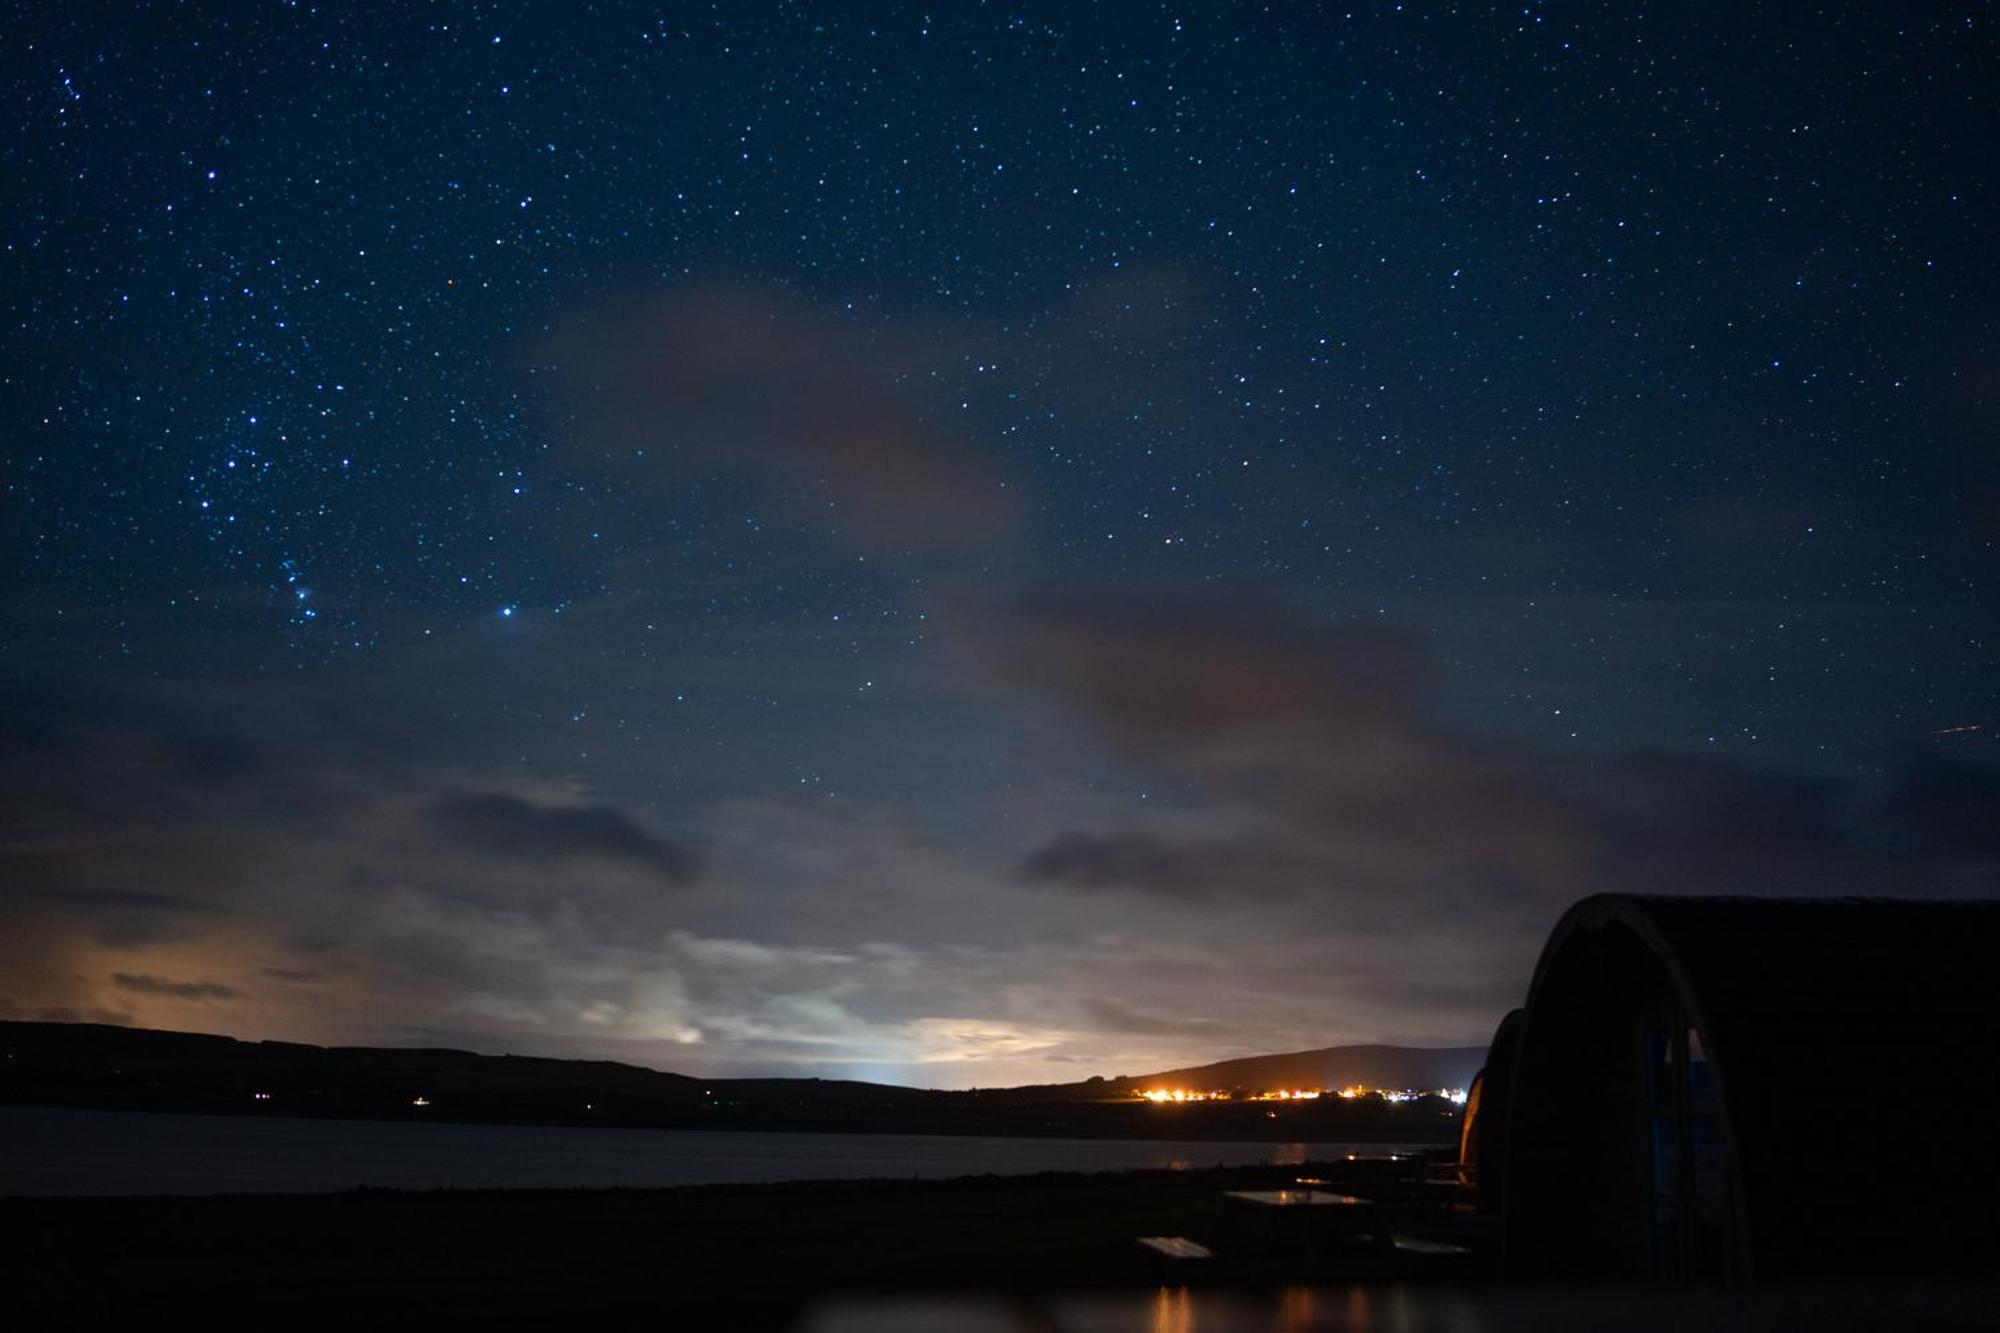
<point x="60" y="1152"/>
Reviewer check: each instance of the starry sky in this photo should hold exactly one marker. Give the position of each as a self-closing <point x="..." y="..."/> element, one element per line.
<point x="979" y="544"/>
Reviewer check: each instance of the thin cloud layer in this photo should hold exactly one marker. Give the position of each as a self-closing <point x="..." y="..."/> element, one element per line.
<point x="393" y="899"/>
<point x="1310" y="741"/>
<point x="146" y="984"/>
<point x="1318" y="750"/>
<point x="1325" y="857"/>
<point x="387" y="887"/>
<point x="508" y="827"/>
<point x="843" y="422"/>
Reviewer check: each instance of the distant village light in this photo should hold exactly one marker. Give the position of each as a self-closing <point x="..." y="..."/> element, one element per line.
<point x="1172" y="1096"/>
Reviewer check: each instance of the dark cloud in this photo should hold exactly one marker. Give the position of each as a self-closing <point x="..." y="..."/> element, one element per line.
<point x="88" y="758"/>
<point x="1313" y="738"/>
<point x="833" y="415"/>
<point x="144" y="983"/>
<point x="1179" y="867"/>
<point x="508" y="827"/>
<point x="135" y="901"/>
<point x="1678" y="823"/>
<point x="1113" y="1016"/>
<point x="1317" y="752"/>
<point x="1088" y="861"/>
<point x="1946" y="806"/>
<point x="1167" y="671"/>
<point x="87" y="873"/>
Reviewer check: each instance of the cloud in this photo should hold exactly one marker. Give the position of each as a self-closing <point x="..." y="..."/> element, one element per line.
<point x="749" y="956"/>
<point x="1172" y="865"/>
<point x="1310" y="741"/>
<point x="396" y="898"/>
<point x="1947" y="805"/>
<point x="370" y="883"/>
<point x="839" y="419"/>
<point x="503" y="826"/>
<point x="1170" y="670"/>
<point x="397" y="894"/>
<point x="1113" y="1016"/>
<point x="1326" y="778"/>
<point x="147" y="984"/>
<point x="958" y="1040"/>
<point x="1094" y="861"/>
<point x="1324" y="856"/>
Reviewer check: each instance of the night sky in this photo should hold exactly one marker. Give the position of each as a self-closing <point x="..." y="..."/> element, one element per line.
<point x="985" y="545"/>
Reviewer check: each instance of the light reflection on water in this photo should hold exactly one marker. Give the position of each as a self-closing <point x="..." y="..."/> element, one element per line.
<point x="1288" y="1310"/>
<point x="1298" y="1311"/>
<point x="1173" y="1311"/>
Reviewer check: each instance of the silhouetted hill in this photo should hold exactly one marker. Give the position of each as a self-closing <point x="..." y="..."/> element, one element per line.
<point x="141" y="1069"/>
<point x="1329" y="1067"/>
<point x="91" y="1065"/>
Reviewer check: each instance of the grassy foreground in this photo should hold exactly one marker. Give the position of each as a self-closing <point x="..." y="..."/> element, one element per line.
<point x="737" y="1257"/>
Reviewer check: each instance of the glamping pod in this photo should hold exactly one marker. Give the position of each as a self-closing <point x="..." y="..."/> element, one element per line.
<point x="1724" y="1088"/>
<point x="1482" y="1139"/>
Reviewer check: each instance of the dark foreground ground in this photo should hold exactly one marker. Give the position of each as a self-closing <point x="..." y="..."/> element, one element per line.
<point x="735" y="1257"/>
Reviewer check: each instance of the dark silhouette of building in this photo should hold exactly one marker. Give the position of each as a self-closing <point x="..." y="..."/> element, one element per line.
<point x="1721" y="1088"/>
<point x="1482" y="1139"/>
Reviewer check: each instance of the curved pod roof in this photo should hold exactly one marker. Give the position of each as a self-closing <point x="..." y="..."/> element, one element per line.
<point x="1846" y="1106"/>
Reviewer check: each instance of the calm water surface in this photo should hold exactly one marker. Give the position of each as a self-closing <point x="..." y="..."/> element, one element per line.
<point x="129" y="1152"/>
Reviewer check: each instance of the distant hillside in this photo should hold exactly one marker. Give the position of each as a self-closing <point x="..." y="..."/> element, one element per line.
<point x="1328" y="1067"/>
<point x="87" y="1064"/>
<point x="117" y="1068"/>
